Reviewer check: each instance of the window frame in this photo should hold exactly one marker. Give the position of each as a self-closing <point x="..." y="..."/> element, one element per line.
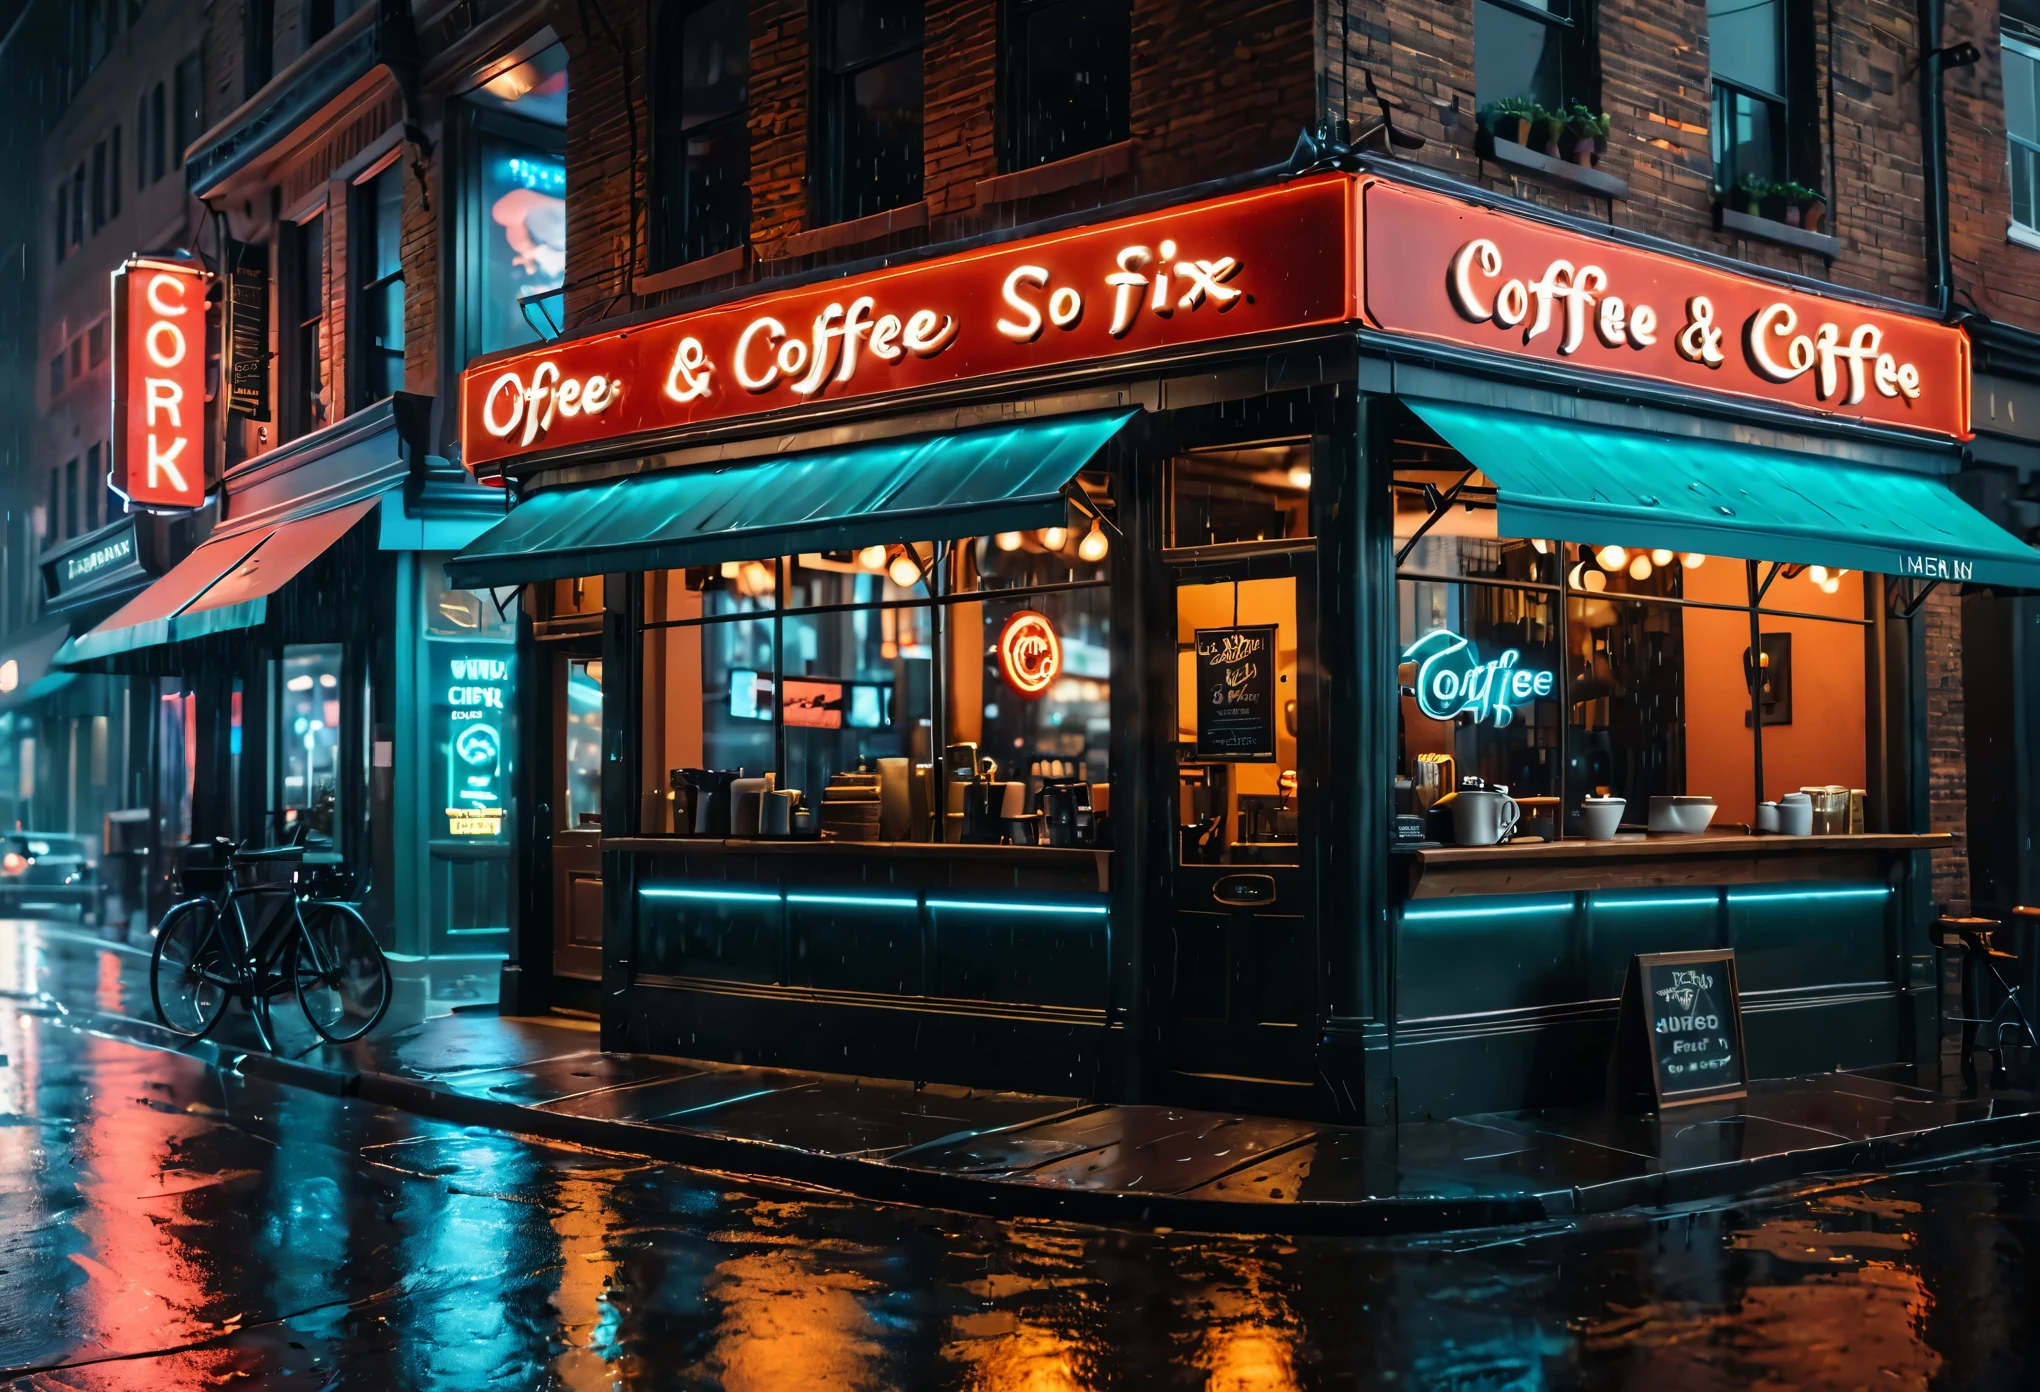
<point x="833" y="84"/>
<point x="363" y="285"/>
<point x="666" y="245"/>
<point x="1014" y="152"/>
<point x="477" y="126"/>
<point x="2015" y="143"/>
<point x="298" y="368"/>
<point x="1798" y="151"/>
<point x="1579" y="29"/>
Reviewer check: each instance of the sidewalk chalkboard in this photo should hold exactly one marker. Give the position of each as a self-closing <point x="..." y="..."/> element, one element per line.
<point x="1679" y="1035"/>
<point x="1236" y="694"/>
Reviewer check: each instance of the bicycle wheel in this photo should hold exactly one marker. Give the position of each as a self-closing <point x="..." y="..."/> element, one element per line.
<point x="191" y="971"/>
<point x="343" y="980"/>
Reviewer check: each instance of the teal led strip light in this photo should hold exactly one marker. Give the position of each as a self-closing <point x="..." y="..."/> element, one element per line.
<point x="1792" y="895"/>
<point x="1498" y="911"/>
<point x="858" y="901"/>
<point x="1687" y="902"/>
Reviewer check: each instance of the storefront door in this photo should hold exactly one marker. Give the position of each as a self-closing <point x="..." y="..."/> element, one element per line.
<point x="577" y="812"/>
<point x="1239" y="958"/>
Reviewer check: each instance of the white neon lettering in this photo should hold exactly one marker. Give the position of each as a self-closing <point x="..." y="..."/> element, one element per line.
<point x="928" y="333"/>
<point x="1608" y="323"/>
<point x="153" y="291"/>
<point x="162" y="461"/>
<point x="1065" y="307"/>
<point x="1779" y="319"/>
<point x="1643" y="325"/>
<point x="497" y="428"/>
<point x="1127" y="282"/>
<point x="688" y="378"/>
<point x="885" y="338"/>
<point x="827" y="331"/>
<point x="1158" y="301"/>
<point x="1459" y="284"/>
<point x="160" y="356"/>
<point x="164" y="394"/>
<point x="856" y="324"/>
<point x="568" y="399"/>
<point x="1028" y="327"/>
<point x="1208" y="278"/>
<point x="773" y="330"/>
<point x="538" y="414"/>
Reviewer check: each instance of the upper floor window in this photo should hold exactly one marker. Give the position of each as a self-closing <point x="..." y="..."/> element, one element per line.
<point x="2022" y="110"/>
<point x="304" y="320"/>
<point x="1533" y="50"/>
<point x="701" y="139"/>
<point x="322" y="17"/>
<point x="1765" y="126"/>
<point x="190" y="119"/>
<point x="378" y="328"/>
<point x="513" y="246"/>
<point x="868" y="107"/>
<point x="1066" y="74"/>
<point x="258" y="45"/>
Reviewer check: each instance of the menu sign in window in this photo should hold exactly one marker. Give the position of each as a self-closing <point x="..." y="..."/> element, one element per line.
<point x="471" y="730"/>
<point x="1680" y="1030"/>
<point x="1236" y="693"/>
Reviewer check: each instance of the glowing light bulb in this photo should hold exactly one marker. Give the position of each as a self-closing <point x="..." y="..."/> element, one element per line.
<point x="872" y="558"/>
<point x="1639" y="569"/>
<point x="1540" y="546"/>
<point x="903" y="570"/>
<point x="1573" y="577"/>
<point x="1007" y="541"/>
<point x="1596" y="580"/>
<point x="1299" y="476"/>
<point x="1094" y="545"/>
<point x="1830" y="585"/>
<point x="1692" y="560"/>
<point x="1612" y="557"/>
<point x="1817" y="574"/>
<point x="1054" y="538"/>
<point x="1661" y="557"/>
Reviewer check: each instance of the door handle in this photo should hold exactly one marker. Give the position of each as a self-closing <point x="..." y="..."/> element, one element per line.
<point x="1245" y="891"/>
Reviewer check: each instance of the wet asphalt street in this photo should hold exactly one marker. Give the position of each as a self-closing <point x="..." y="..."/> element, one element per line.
<point x="164" y="1225"/>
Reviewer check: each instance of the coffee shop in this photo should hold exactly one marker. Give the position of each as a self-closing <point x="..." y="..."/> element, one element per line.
<point x="1287" y="648"/>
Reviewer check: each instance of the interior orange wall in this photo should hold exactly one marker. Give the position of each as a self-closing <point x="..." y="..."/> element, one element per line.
<point x="1825" y="743"/>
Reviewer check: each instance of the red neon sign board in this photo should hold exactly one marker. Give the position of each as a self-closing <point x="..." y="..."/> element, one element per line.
<point x="1441" y="269"/>
<point x="159" y="338"/>
<point x="1030" y="654"/>
<point x="1268" y="261"/>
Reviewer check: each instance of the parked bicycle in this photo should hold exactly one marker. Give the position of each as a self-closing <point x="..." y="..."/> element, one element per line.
<point x="311" y="943"/>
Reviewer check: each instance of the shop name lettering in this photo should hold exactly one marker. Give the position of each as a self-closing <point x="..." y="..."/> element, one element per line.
<point x="77" y="567"/>
<point x="1566" y="298"/>
<point x="469" y="701"/>
<point x="1936" y="567"/>
<point x="1153" y="281"/>
<point x="1452" y="681"/>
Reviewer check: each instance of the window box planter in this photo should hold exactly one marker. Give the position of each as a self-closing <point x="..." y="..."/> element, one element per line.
<point x="1583" y="177"/>
<point x="1770" y="230"/>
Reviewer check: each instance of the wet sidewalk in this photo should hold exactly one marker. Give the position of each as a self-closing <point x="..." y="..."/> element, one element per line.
<point x="1018" y="1155"/>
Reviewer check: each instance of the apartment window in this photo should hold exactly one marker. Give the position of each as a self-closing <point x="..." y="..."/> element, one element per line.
<point x="78" y="205"/>
<point x="304" y="318"/>
<point x="1765" y="121"/>
<point x="1066" y="77"/>
<point x="701" y="141"/>
<point x="157" y="132"/>
<point x="1537" y="49"/>
<point x="2022" y="111"/>
<point x="78" y="357"/>
<point x="56" y="376"/>
<point x="190" y="93"/>
<point x="322" y="17"/>
<point x="95" y="343"/>
<point x="92" y="488"/>
<point x="62" y="204"/>
<point x="513" y="244"/>
<point x="51" y="519"/>
<point x="868" y="125"/>
<point x="142" y="140"/>
<point x="258" y="51"/>
<point x="99" y="186"/>
<point x="113" y="174"/>
<point x="378" y="316"/>
<point x="71" y="498"/>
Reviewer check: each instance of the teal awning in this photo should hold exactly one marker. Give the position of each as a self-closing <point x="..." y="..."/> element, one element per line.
<point x="1587" y="483"/>
<point x="1003" y="478"/>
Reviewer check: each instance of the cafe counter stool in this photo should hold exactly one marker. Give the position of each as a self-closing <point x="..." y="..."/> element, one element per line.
<point x="1982" y="957"/>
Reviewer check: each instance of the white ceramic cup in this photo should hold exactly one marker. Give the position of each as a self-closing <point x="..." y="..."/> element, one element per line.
<point x="1483" y="817"/>
<point x="1601" y="818"/>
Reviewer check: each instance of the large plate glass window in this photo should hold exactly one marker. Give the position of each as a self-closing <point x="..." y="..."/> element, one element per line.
<point x="309" y="786"/>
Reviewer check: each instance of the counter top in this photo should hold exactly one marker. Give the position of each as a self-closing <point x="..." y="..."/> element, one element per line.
<point x="1638" y="860"/>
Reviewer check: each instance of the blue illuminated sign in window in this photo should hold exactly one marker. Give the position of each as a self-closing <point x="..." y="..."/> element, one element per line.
<point x="1451" y="680"/>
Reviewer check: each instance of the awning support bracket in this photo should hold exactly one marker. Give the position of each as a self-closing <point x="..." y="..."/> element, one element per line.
<point x="1081" y="500"/>
<point x="1438" y="510"/>
<point x="1765" y="588"/>
<point x="1907" y="608"/>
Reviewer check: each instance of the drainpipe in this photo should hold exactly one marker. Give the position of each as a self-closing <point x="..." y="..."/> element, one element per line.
<point x="1934" y="157"/>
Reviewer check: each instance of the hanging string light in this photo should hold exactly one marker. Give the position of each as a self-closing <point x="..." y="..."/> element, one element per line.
<point x="1094" y="545"/>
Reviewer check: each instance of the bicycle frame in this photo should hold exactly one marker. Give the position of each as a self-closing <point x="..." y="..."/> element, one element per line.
<point x="258" y="966"/>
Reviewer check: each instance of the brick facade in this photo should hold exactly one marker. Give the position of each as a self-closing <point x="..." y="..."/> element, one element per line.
<point x="1947" y="744"/>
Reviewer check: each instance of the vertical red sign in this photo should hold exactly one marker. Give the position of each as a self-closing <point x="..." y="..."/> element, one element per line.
<point x="159" y="383"/>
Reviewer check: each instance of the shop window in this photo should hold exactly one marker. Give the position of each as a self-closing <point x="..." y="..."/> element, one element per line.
<point x="868" y="107"/>
<point x="701" y="140"/>
<point x="829" y="675"/>
<point x="1066" y="73"/>
<point x="1764" y="122"/>
<point x="1539" y="50"/>
<point x="582" y="797"/>
<point x="465" y="613"/>
<point x="2021" y="48"/>
<point x="1237" y="806"/>
<point x="176" y="760"/>
<point x="514" y="244"/>
<point x="311" y="788"/>
<point x="1611" y="670"/>
<point x="305" y="404"/>
<point x="1253" y="493"/>
<point x="377" y="309"/>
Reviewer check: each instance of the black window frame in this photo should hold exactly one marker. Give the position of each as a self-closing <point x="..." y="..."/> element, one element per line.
<point x="476" y="127"/>
<point x="159" y="134"/>
<point x="672" y="242"/>
<point x="1580" y="67"/>
<point x="258" y="45"/>
<point x="830" y="199"/>
<point x="1016" y="147"/>
<point x="302" y="368"/>
<point x="1797" y="151"/>
<point x="364" y="285"/>
<point x="188" y="119"/>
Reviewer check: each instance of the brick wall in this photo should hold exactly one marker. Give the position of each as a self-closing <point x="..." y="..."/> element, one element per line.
<point x="1947" y="776"/>
<point x="1992" y="273"/>
<point x="959" y="92"/>
<point x="600" y="173"/>
<point x="1219" y="85"/>
<point x="1655" y="87"/>
<point x="421" y="274"/>
<point x="780" y="64"/>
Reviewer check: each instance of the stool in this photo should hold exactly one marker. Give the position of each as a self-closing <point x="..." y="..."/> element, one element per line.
<point x="1980" y="955"/>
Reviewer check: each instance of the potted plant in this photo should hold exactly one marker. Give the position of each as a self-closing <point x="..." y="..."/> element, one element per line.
<point x="1792" y="197"/>
<point x="1510" y="119"/>
<point x="1811" y="208"/>
<point x="1586" y="133"/>
<point x="1550" y="132"/>
<point x="1750" y="192"/>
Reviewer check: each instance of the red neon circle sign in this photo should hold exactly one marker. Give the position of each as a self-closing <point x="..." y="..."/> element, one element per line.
<point x="1030" y="655"/>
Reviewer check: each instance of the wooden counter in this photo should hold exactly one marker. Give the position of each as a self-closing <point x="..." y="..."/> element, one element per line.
<point x="1018" y="866"/>
<point x="1640" y="861"/>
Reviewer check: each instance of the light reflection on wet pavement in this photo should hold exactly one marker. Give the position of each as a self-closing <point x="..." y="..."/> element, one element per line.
<point x="164" y="1225"/>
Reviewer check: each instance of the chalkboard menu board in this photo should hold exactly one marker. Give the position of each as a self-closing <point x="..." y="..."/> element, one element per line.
<point x="247" y="338"/>
<point x="1680" y="1035"/>
<point x="1236" y="694"/>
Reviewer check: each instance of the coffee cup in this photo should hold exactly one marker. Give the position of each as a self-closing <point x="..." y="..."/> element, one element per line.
<point x="1483" y="816"/>
<point x="1767" y="816"/>
<point x="1601" y="817"/>
<point x="1795" y="814"/>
